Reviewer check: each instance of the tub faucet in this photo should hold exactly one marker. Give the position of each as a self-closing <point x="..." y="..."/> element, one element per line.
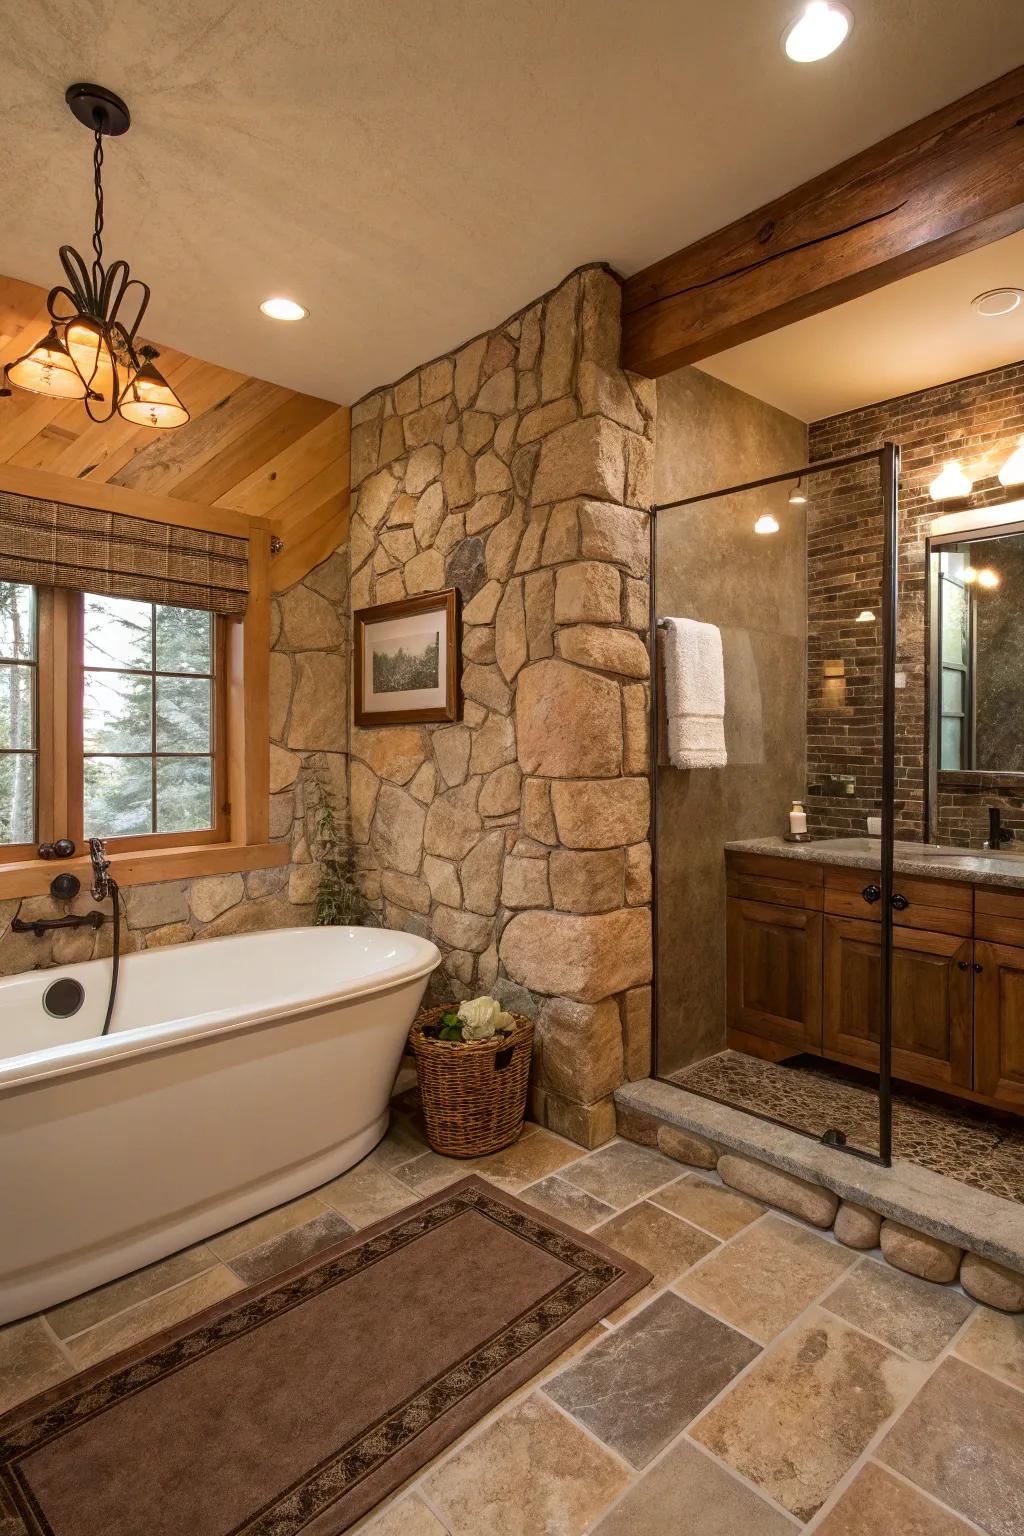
<point x="100" y="888"/>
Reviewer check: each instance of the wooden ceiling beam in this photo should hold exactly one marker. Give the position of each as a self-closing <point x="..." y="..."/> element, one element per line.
<point x="945" y="185"/>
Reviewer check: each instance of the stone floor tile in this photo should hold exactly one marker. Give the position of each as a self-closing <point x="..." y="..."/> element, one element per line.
<point x="92" y="1307"/>
<point x="962" y="1439"/>
<point x="878" y="1504"/>
<point x="402" y="1143"/>
<point x="149" y="1317"/>
<point x="910" y="1314"/>
<point x="803" y="1414"/>
<point x="292" y="1247"/>
<point x="30" y="1361"/>
<point x="765" y="1277"/>
<point x="251" y="1234"/>
<point x="639" y="1387"/>
<point x="557" y="1197"/>
<point x="407" y="1517"/>
<point x="656" y="1239"/>
<point x="711" y="1206"/>
<point x="622" y="1173"/>
<point x="531" y="1471"/>
<point x="367" y="1193"/>
<point x="995" y="1342"/>
<point x="527" y="1160"/>
<point x="689" y="1494"/>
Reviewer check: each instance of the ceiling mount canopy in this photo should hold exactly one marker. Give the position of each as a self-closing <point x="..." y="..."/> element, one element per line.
<point x="91" y="353"/>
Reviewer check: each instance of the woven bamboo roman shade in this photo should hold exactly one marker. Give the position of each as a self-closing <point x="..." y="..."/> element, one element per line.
<point x="51" y="544"/>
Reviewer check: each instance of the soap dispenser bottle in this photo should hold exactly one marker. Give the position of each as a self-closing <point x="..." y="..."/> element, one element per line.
<point x="798" y="832"/>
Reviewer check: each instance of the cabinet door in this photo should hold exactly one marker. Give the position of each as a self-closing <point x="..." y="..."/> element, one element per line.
<point x="999" y="1023"/>
<point x="931" y="1001"/>
<point x="774" y="981"/>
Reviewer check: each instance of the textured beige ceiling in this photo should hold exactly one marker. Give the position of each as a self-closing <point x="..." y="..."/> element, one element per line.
<point x="413" y="170"/>
<point x="915" y="333"/>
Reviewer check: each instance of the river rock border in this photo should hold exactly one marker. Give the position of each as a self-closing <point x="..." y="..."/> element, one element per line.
<point x="854" y="1225"/>
<point x="518" y="470"/>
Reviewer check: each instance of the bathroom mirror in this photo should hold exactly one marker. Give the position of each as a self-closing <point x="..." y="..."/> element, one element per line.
<point x="976" y="636"/>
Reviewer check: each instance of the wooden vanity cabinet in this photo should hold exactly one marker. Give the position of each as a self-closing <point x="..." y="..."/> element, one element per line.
<point x="804" y="974"/>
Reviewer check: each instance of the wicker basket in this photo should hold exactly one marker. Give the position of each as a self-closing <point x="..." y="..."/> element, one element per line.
<point x="473" y="1094"/>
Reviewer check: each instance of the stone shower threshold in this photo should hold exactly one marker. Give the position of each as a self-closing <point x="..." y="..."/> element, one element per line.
<point x="918" y="1197"/>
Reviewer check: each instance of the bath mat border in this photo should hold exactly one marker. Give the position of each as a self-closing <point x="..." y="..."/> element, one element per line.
<point x="386" y="1454"/>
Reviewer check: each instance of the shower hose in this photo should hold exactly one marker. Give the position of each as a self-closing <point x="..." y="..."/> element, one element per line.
<point x="115" y="899"/>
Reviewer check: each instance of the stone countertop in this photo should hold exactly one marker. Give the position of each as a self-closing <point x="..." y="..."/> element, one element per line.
<point x="971" y="867"/>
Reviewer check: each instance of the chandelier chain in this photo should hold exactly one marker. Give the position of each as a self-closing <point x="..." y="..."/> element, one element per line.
<point x="97" y="162"/>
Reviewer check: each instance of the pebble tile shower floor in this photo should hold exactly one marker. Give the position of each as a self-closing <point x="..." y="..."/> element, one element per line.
<point x="767" y="1380"/>
<point x="983" y="1150"/>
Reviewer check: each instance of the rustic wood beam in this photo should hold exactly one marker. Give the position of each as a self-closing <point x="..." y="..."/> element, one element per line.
<point x="945" y="185"/>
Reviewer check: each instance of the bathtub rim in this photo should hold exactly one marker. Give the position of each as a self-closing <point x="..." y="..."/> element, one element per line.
<point x="95" y="1052"/>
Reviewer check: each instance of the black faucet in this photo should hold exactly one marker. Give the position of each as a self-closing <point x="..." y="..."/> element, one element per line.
<point x="997" y="833"/>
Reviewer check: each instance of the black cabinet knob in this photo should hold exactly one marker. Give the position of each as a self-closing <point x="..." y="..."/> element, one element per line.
<point x="900" y="903"/>
<point x="978" y="968"/>
<point x="963" y="965"/>
<point x="871" y="893"/>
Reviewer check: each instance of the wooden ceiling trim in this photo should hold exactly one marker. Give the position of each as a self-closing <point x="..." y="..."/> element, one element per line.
<point x="283" y="476"/>
<point x="946" y="184"/>
<point x="173" y="456"/>
<point x="297" y="416"/>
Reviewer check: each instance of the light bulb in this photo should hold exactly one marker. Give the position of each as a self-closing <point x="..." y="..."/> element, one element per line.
<point x="1012" y="472"/>
<point x="819" y="30"/>
<point x="796" y="495"/>
<point x="969" y="575"/>
<point x="865" y="616"/>
<point x="766" y="524"/>
<point x="951" y="484"/>
<point x="283" y="309"/>
<point x="988" y="578"/>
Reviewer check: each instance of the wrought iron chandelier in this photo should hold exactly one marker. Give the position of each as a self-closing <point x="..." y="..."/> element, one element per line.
<point x="91" y="352"/>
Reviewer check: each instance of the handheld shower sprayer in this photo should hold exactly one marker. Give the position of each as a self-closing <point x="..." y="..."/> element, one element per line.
<point x="101" y="882"/>
<point x="102" y="887"/>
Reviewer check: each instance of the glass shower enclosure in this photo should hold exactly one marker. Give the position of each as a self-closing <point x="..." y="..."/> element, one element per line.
<point x="749" y="924"/>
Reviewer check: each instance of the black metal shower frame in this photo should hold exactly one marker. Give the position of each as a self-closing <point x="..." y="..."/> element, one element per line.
<point x="887" y="457"/>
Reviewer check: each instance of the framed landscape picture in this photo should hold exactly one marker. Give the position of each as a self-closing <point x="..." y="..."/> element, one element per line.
<point x="406" y="660"/>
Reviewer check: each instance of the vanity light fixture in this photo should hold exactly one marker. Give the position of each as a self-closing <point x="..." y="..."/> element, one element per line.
<point x="796" y="495"/>
<point x="988" y="578"/>
<point x="821" y="27"/>
<point x="91" y="353"/>
<point x="997" y="301"/>
<point x="968" y="575"/>
<point x="950" y="484"/>
<point x="1012" y="472"/>
<point x="766" y="524"/>
<point x="284" y="309"/>
<point x="865" y="616"/>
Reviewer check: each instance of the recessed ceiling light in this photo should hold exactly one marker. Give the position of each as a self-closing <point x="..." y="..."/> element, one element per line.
<point x="998" y="301"/>
<point x="284" y="309"/>
<point x="821" y="27"/>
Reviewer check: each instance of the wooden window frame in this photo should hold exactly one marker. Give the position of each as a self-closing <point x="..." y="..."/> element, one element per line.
<point x="239" y="841"/>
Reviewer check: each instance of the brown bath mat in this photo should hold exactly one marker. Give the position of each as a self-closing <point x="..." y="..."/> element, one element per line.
<point x="300" y="1403"/>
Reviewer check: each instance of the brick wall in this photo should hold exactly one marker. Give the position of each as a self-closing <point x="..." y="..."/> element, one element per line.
<point x="977" y="420"/>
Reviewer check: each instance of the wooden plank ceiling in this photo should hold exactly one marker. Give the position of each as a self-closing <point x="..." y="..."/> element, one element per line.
<point x="252" y="450"/>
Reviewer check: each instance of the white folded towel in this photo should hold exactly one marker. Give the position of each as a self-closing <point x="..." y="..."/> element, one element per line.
<point x="694" y="694"/>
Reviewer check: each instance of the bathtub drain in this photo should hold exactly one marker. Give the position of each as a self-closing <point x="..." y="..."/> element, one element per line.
<point x="63" y="998"/>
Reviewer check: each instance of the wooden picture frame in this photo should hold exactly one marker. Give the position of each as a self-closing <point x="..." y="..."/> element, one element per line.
<point x="381" y="662"/>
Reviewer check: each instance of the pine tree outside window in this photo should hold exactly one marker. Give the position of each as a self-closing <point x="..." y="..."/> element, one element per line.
<point x="112" y="721"/>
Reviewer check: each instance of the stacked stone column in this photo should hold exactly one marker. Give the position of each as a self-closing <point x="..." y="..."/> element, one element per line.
<point x="517" y="469"/>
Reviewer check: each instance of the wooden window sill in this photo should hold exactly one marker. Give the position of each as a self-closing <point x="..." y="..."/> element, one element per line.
<point x="31" y="877"/>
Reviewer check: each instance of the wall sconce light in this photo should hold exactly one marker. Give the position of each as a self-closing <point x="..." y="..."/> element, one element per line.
<point x="950" y="484"/>
<point x="988" y="578"/>
<point x="766" y="524"/>
<point x="796" y="495"/>
<point x="833" y="669"/>
<point x="1012" y="472"/>
<point x="865" y="616"/>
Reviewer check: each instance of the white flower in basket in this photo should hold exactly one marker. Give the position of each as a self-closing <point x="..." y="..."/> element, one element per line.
<point x="483" y="1018"/>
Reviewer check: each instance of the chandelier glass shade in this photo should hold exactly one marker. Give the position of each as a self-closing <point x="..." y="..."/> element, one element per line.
<point x="92" y="352"/>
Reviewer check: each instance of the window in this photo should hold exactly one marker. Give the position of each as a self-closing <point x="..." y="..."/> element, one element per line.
<point x="18" y="713"/>
<point x="130" y="696"/>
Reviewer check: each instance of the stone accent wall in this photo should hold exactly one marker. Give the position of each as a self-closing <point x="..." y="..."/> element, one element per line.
<point x="515" y="469"/>
<point x="309" y="729"/>
<point x="979" y="421"/>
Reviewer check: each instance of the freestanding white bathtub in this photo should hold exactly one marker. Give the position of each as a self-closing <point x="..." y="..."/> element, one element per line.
<point x="238" y="1073"/>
